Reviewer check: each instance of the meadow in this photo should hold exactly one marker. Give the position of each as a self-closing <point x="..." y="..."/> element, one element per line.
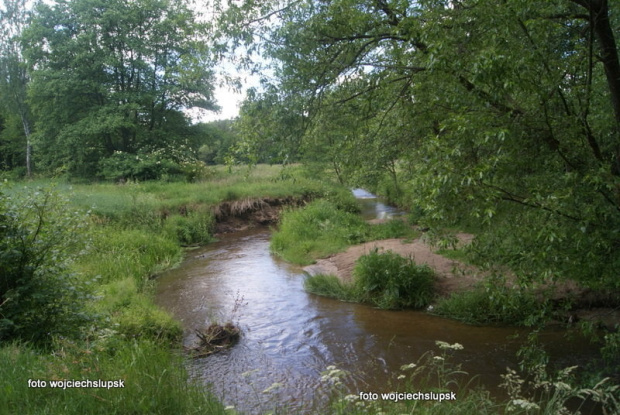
<point x="127" y="234"/>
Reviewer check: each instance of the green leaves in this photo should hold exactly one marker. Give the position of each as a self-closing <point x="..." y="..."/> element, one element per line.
<point x="496" y="114"/>
<point x="390" y="281"/>
<point x="39" y="298"/>
<point x="114" y="76"/>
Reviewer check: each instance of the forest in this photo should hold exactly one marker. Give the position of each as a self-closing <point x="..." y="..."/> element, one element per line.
<point x="498" y="118"/>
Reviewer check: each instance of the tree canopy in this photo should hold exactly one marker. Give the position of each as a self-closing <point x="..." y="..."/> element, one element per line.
<point x="105" y="77"/>
<point x="505" y="112"/>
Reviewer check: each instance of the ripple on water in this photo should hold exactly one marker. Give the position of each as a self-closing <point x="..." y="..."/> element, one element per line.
<point x="289" y="337"/>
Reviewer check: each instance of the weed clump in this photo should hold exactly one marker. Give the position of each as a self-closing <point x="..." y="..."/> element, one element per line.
<point x="385" y="280"/>
<point x="388" y="280"/>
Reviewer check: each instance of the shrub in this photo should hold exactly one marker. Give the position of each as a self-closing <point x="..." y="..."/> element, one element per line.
<point x="39" y="297"/>
<point x="167" y="163"/>
<point x="494" y="303"/>
<point x="391" y="281"/>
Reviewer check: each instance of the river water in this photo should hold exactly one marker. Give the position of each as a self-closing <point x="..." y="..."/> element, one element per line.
<point x="289" y="336"/>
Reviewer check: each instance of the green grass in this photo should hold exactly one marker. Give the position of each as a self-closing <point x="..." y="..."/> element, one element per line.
<point x="390" y="281"/>
<point x="136" y="230"/>
<point x="493" y="302"/>
<point x="323" y="228"/>
<point x="455" y="254"/>
<point x="154" y="380"/>
<point x="315" y="231"/>
<point x="145" y="202"/>
<point x="384" y="280"/>
<point x="330" y="286"/>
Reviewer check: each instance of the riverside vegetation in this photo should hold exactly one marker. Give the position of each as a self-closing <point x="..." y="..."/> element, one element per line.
<point x="93" y="250"/>
<point x="76" y="284"/>
<point x="387" y="280"/>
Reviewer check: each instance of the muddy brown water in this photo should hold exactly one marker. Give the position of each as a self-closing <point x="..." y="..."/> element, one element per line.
<point x="289" y="336"/>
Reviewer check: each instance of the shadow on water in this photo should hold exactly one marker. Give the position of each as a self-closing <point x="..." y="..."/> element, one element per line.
<point x="289" y="337"/>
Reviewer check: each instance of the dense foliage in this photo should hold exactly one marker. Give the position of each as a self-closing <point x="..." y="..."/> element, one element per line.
<point x="39" y="296"/>
<point x="502" y="114"/>
<point x="83" y="81"/>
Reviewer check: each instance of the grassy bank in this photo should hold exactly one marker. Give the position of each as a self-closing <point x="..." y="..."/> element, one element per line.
<point x="130" y="233"/>
<point x="325" y="227"/>
<point x="393" y="282"/>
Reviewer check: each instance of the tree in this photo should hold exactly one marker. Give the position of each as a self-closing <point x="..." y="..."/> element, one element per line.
<point x="114" y="76"/>
<point x="215" y="140"/>
<point x="14" y="77"/>
<point x="270" y="127"/>
<point x="503" y="112"/>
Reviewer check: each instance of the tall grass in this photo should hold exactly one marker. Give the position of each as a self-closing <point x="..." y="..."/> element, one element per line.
<point x="384" y="280"/>
<point x="494" y="302"/>
<point x="331" y="286"/>
<point x="317" y="230"/>
<point x="154" y="380"/>
<point x="134" y="253"/>
<point x="324" y="227"/>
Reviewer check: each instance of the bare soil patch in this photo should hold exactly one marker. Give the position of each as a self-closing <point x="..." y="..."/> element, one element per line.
<point x="451" y="275"/>
<point x="239" y="215"/>
<point x="454" y="276"/>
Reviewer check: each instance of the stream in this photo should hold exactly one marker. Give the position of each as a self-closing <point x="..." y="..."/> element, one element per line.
<point x="289" y="336"/>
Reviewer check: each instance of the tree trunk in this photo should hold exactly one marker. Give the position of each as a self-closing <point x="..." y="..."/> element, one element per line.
<point x="26" y="125"/>
<point x="599" y="19"/>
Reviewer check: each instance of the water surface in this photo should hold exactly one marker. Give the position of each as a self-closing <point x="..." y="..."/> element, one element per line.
<point x="290" y="337"/>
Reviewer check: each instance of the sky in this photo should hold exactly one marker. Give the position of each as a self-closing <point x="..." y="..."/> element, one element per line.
<point x="227" y="99"/>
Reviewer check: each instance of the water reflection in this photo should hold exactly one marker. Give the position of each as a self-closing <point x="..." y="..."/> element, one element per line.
<point x="290" y="337"/>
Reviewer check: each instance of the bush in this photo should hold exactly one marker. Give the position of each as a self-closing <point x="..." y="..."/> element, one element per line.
<point x="390" y="281"/>
<point x="39" y="297"/>
<point x="153" y="165"/>
<point x="494" y="303"/>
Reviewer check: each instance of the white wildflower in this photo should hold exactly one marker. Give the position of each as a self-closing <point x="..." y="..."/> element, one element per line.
<point x="448" y="346"/>
<point x="522" y="403"/>
<point x="408" y="367"/>
<point x="273" y="387"/>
